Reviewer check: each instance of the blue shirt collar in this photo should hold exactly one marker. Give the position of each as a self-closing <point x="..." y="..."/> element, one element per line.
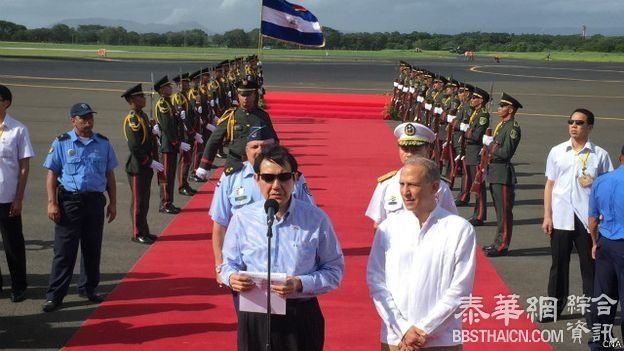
<point x="73" y="136"/>
<point x="247" y="169"/>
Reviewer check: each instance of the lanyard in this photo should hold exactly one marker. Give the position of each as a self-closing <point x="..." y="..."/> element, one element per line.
<point x="498" y="127"/>
<point x="472" y="116"/>
<point x="583" y="160"/>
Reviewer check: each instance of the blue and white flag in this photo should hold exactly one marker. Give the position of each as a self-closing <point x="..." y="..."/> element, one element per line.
<point x="290" y="22"/>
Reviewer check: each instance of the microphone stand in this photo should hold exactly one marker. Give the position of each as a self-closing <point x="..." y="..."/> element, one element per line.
<point x="268" y="313"/>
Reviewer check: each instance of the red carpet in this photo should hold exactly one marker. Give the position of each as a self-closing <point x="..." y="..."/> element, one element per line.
<point x="169" y="300"/>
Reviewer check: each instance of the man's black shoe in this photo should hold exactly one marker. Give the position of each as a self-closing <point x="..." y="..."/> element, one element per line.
<point x="169" y="209"/>
<point x="18" y="295"/>
<point x="142" y="239"/>
<point x="51" y="306"/>
<point x="186" y="192"/>
<point x="152" y="236"/>
<point x="460" y="203"/>
<point x="93" y="297"/>
<point x="475" y="222"/>
<point x="496" y="253"/>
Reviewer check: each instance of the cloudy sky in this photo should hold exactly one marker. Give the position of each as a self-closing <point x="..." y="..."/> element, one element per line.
<point x="439" y="16"/>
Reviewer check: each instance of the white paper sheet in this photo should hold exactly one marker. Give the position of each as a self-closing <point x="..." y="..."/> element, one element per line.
<point x="255" y="300"/>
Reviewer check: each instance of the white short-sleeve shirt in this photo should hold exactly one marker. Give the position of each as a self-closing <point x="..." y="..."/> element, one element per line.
<point x="14" y="146"/>
<point x="387" y="199"/>
<point x="564" y="166"/>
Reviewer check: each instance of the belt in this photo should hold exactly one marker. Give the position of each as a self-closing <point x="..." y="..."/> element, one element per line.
<point x="78" y="194"/>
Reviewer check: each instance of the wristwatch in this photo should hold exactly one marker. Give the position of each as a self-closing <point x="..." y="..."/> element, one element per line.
<point x="218" y="269"/>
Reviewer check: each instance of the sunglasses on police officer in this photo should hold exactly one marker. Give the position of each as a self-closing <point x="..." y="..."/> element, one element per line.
<point x="270" y="177"/>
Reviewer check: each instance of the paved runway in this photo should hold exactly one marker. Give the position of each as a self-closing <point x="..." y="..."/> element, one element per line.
<point x="44" y="89"/>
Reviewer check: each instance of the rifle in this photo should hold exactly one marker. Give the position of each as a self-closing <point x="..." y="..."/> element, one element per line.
<point x="160" y="176"/>
<point x="447" y="150"/>
<point x="436" y="143"/>
<point x="479" y="178"/>
<point x="459" y="158"/>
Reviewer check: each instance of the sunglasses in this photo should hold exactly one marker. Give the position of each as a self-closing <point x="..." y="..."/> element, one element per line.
<point x="578" y="122"/>
<point x="270" y="177"/>
<point x="476" y="97"/>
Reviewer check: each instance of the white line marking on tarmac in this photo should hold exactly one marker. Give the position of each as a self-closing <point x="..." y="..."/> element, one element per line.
<point x="477" y="69"/>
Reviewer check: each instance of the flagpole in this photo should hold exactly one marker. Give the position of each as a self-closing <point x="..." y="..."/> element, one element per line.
<point x="260" y="35"/>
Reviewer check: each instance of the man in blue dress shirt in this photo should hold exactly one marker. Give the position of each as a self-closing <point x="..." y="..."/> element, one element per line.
<point x="305" y="247"/>
<point x="80" y="167"/>
<point x="606" y="226"/>
<point x="237" y="188"/>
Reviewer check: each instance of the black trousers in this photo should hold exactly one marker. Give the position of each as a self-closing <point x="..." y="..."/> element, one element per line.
<point x="608" y="280"/>
<point x="14" y="248"/>
<point x="170" y="161"/>
<point x="480" y="207"/>
<point x="140" y="185"/>
<point x="503" y="196"/>
<point x="81" y="223"/>
<point x="301" y="329"/>
<point x="561" y="242"/>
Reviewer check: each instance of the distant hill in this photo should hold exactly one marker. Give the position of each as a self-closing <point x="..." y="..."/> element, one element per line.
<point x="132" y="26"/>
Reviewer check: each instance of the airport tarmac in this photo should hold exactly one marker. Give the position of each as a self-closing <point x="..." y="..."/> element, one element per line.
<point x="44" y="89"/>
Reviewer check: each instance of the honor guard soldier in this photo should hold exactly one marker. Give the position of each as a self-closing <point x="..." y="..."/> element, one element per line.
<point x="199" y="108"/>
<point x="170" y="143"/>
<point x="478" y="123"/>
<point x="80" y="167"/>
<point x="187" y="132"/>
<point x="238" y="188"/>
<point x="141" y="164"/>
<point x="413" y="139"/>
<point x="459" y="138"/>
<point x="501" y="174"/>
<point x="234" y="126"/>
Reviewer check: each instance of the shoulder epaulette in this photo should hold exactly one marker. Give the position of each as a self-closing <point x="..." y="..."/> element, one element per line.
<point x="444" y="179"/>
<point x="101" y="136"/>
<point x="516" y="124"/>
<point x="62" y="137"/>
<point x="386" y="176"/>
<point x="226" y="115"/>
<point x="233" y="168"/>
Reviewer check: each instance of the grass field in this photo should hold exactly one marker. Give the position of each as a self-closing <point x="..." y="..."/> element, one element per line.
<point x="213" y="54"/>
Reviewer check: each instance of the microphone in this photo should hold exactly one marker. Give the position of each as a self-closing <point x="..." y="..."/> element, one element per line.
<point x="270" y="207"/>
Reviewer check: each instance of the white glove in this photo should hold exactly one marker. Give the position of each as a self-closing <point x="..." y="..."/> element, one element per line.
<point x="229" y="94"/>
<point x="201" y="173"/>
<point x="487" y="140"/>
<point x="210" y="127"/>
<point x="198" y="138"/>
<point x="212" y="103"/>
<point x="182" y="115"/>
<point x="200" y="110"/>
<point x="420" y="98"/>
<point x="464" y="127"/>
<point x="156" y="130"/>
<point x="396" y="84"/>
<point x="438" y="110"/>
<point x="185" y="147"/>
<point x="428" y="107"/>
<point x="157" y="166"/>
<point x="216" y="101"/>
<point x="450" y="118"/>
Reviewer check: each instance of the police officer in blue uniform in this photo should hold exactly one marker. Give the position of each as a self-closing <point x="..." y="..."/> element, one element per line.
<point x="80" y="167"/>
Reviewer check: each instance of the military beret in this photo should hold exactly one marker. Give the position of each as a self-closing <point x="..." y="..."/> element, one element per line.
<point x="164" y="81"/>
<point x="509" y="100"/>
<point x="135" y="90"/>
<point x="478" y="92"/>
<point x="413" y="134"/>
<point x="260" y="133"/>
